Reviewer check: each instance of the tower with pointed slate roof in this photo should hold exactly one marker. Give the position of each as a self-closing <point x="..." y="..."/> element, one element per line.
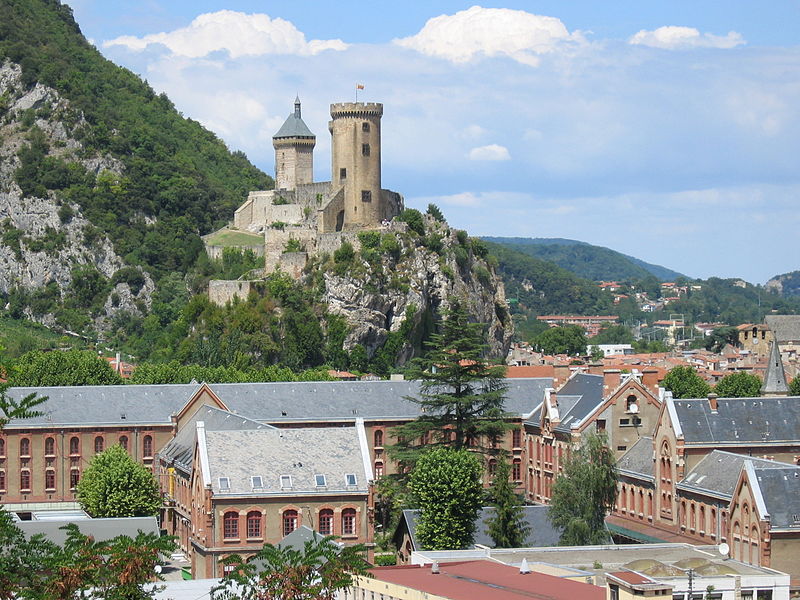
<point x="775" y="377"/>
<point x="294" y="152"/>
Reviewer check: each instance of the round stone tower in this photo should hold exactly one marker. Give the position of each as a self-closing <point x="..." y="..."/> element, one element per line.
<point x="356" y="156"/>
<point x="294" y="152"/>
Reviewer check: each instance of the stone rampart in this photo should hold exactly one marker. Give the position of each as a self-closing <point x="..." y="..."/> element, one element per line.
<point x="215" y="252"/>
<point x="222" y="291"/>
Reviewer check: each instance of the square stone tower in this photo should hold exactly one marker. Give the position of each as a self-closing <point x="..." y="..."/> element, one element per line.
<point x="294" y="152"/>
<point x="356" y="161"/>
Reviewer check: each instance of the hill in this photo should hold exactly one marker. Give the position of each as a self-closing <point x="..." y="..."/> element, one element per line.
<point x="585" y="260"/>
<point x="787" y="284"/>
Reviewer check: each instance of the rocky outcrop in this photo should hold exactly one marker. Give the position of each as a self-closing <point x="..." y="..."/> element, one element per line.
<point x="44" y="237"/>
<point x="785" y="285"/>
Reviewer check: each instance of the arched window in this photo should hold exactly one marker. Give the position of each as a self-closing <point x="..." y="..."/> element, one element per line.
<point x="378" y="437"/>
<point x="25" y="480"/>
<point x="630" y="402"/>
<point x="254" y="524"/>
<point x="349" y="521"/>
<point x="98" y="444"/>
<point x="123" y="441"/>
<point x="49" y="446"/>
<point x="147" y="446"/>
<point x="712" y="526"/>
<point x="378" y="469"/>
<point x="693" y="518"/>
<point x="683" y="513"/>
<point x="701" y="524"/>
<point x="25" y="447"/>
<point x="2" y="447"/>
<point x="74" y="445"/>
<point x="326" y="521"/>
<point x="623" y="498"/>
<point x="74" y="477"/>
<point x="289" y="521"/>
<point x="2" y="481"/>
<point x="230" y="525"/>
<point x="50" y="479"/>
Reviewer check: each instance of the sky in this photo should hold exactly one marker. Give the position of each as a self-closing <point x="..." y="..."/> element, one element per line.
<point x="666" y="129"/>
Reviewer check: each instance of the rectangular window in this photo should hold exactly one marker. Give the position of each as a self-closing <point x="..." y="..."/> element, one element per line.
<point x="516" y="437"/>
<point x="224" y="483"/>
<point x="320" y="480"/>
<point x="342" y="173"/>
<point x="621" y="448"/>
<point x="50" y="480"/>
<point x="364" y="149"/>
<point x="366" y="196"/>
<point x="624" y="422"/>
<point x="601" y="424"/>
<point x="25" y="481"/>
<point x="286" y="481"/>
<point x="364" y="126"/>
<point x="74" y="477"/>
<point x="350" y="479"/>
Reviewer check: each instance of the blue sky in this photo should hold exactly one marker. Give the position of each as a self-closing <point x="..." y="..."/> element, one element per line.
<point x="663" y="129"/>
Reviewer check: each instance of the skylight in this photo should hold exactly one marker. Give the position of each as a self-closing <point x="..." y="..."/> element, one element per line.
<point x="286" y="481"/>
<point x="224" y="483"/>
<point x="350" y="478"/>
<point x="320" y="479"/>
<point x="256" y="481"/>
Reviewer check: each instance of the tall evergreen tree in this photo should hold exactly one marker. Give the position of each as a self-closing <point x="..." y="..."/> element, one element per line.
<point x="461" y="392"/>
<point x="506" y="525"/>
<point x="585" y="492"/>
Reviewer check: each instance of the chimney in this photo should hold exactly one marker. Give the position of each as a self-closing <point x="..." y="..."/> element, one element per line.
<point x="650" y="379"/>
<point x="434" y="568"/>
<point x="560" y="375"/>
<point x="524" y="569"/>
<point x="611" y="379"/>
<point x="712" y="401"/>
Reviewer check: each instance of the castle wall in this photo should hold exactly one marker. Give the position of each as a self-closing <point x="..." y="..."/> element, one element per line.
<point x="294" y="162"/>
<point x="356" y="161"/>
<point x="221" y="291"/>
<point x="215" y="252"/>
<point x="328" y="216"/>
<point x="293" y="263"/>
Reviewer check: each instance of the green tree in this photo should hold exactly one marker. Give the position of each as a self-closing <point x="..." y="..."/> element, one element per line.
<point x="73" y="367"/>
<point x="585" y="492"/>
<point x="318" y="571"/>
<point x="684" y="382"/>
<point x="506" y="525"/>
<point x="570" y="339"/>
<point x="739" y="385"/>
<point x="794" y="386"/>
<point x="721" y="337"/>
<point x="461" y="393"/>
<point x="613" y="334"/>
<point x="446" y="484"/>
<point x="114" y="485"/>
<point x="435" y="212"/>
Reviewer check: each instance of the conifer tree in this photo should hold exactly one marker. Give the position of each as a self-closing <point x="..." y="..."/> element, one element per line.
<point x="461" y="392"/>
<point x="506" y="525"/>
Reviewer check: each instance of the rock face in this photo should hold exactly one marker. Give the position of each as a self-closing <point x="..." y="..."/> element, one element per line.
<point x="42" y="239"/>
<point x="785" y="285"/>
<point x="376" y="296"/>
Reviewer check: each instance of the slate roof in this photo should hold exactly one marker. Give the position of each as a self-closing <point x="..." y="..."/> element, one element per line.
<point x="739" y="420"/>
<point x="299" y="453"/>
<point x="780" y="489"/>
<point x="294" y="125"/>
<point x="105" y="404"/>
<point x="100" y="529"/>
<point x="638" y="460"/>
<point x="542" y="533"/>
<point x="589" y="390"/>
<point x="348" y="400"/>
<point x="775" y="377"/>
<point x="719" y="471"/>
<point x="180" y="449"/>
<point x="785" y="328"/>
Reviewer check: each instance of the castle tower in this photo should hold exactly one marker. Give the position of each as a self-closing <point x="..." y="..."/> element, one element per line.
<point x="356" y="156"/>
<point x="294" y="152"/>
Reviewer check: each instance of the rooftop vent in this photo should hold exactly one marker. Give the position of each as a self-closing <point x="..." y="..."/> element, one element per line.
<point x="434" y="568"/>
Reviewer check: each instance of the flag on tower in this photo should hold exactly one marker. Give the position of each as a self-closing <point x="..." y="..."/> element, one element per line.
<point x="359" y="86"/>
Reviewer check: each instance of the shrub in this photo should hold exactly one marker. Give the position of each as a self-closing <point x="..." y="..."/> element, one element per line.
<point x="414" y="219"/>
<point x="435" y="212"/>
<point x="483" y="275"/>
<point x="479" y="248"/>
<point x="293" y="245"/>
<point x="369" y="239"/>
<point x="391" y="246"/>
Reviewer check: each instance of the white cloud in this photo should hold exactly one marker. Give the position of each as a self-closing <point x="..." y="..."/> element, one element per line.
<point x="491" y="32"/>
<point x="238" y="33"/>
<point x="671" y="37"/>
<point x="490" y="152"/>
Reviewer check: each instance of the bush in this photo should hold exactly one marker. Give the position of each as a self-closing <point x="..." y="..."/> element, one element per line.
<point x="293" y="245"/>
<point x="369" y="239"/>
<point x="462" y="256"/>
<point x="482" y="274"/>
<point x="479" y="249"/>
<point x="391" y="246"/>
<point x="130" y="275"/>
<point x="414" y="219"/>
<point x="462" y="237"/>
<point x="435" y="212"/>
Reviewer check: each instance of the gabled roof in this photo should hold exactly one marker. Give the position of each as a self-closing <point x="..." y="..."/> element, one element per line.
<point x="780" y="490"/>
<point x="738" y="421"/>
<point x="589" y="390"/>
<point x="638" y="460"/>
<point x="775" y="377"/>
<point x="785" y="328"/>
<point x="719" y="471"/>
<point x="180" y="449"/>
<point x="542" y="534"/>
<point x="300" y="454"/>
<point x="105" y="404"/>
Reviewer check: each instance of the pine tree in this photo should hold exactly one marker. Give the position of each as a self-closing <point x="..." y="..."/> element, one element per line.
<point x="461" y="392"/>
<point x="506" y="525"/>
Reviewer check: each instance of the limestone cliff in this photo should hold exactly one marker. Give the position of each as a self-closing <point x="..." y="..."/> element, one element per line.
<point x="43" y="236"/>
<point x="395" y="276"/>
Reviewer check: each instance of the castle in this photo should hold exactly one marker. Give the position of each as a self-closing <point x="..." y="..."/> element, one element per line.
<point x="301" y="218"/>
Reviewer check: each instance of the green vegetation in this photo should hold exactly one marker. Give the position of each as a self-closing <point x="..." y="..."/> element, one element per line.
<point x="570" y="339"/>
<point x="739" y="385"/>
<point x="320" y="570"/>
<point x="794" y="387"/>
<point x="446" y="484"/>
<point x="414" y="219"/>
<point x="506" y="525"/>
<point x="585" y="492"/>
<point x="684" y="382"/>
<point x="55" y="368"/>
<point x="174" y="372"/>
<point x="115" y="485"/>
<point x="228" y="237"/>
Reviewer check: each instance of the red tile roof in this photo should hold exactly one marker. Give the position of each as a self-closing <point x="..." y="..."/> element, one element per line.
<point x="529" y="371"/>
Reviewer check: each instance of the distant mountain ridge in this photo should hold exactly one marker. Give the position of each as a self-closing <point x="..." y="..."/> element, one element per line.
<point x="785" y="284"/>
<point x="596" y="263"/>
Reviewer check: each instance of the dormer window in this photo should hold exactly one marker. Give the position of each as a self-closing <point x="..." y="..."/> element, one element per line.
<point x="320" y="480"/>
<point x="350" y="479"/>
<point x="256" y="481"/>
<point x="224" y="483"/>
<point x="286" y="481"/>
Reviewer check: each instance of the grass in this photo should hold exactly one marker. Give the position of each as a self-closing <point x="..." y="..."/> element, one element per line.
<point x="18" y="336"/>
<point x="226" y="237"/>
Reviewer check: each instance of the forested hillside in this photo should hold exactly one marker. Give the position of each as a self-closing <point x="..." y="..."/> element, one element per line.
<point x="585" y="260"/>
<point x="787" y="285"/>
